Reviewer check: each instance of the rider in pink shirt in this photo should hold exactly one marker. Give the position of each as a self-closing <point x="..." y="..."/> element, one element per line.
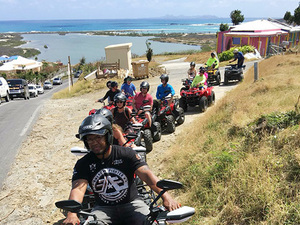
<point x="139" y="98"/>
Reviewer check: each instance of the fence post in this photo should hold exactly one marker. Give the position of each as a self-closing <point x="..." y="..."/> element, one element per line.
<point x="255" y="71"/>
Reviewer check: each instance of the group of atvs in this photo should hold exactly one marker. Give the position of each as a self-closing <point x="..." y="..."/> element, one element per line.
<point x="206" y="96"/>
<point x="164" y="119"/>
<point x="232" y="73"/>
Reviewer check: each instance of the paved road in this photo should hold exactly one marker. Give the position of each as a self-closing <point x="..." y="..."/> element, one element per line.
<point x="16" y="120"/>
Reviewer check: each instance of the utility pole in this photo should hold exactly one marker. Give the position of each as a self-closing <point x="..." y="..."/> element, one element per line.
<point x="70" y="71"/>
<point x="255" y="71"/>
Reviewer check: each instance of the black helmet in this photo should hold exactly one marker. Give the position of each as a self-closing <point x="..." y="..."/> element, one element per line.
<point x="114" y="84"/>
<point x="128" y="78"/>
<point x="106" y="113"/>
<point x="212" y="54"/>
<point x="164" y="77"/>
<point x="201" y="69"/>
<point x="144" y="84"/>
<point x="192" y="64"/>
<point x="120" y="97"/>
<point x="95" y="124"/>
<point x="108" y="83"/>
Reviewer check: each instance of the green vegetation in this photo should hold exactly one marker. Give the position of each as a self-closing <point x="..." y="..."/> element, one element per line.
<point x="227" y="55"/>
<point x="9" y="44"/>
<point x="224" y="27"/>
<point x="290" y="19"/>
<point x="149" y="52"/>
<point x="241" y="164"/>
<point x="236" y="17"/>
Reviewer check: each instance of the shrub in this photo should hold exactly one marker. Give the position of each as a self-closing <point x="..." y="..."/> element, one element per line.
<point x="227" y="55"/>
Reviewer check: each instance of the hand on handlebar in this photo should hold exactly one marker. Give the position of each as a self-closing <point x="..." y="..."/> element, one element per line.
<point x="72" y="218"/>
<point x="99" y="100"/>
<point x="169" y="203"/>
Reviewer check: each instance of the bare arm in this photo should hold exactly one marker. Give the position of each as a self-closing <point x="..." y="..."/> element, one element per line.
<point x="147" y="176"/>
<point x="77" y="193"/>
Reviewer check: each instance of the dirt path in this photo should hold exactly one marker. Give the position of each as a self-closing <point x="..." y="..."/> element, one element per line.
<point x="41" y="174"/>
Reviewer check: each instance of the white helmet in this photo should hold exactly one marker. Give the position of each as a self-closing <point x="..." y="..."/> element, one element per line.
<point x="235" y="50"/>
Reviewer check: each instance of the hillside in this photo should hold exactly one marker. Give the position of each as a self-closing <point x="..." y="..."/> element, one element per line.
<point x="241" y="167"/>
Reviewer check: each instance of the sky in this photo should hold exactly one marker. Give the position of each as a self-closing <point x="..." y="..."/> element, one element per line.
<point x="125" y="9"/>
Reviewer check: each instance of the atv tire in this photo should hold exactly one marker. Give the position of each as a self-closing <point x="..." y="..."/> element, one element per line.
<point x="203" y="104"/>
<point x="148" y="141"/>
<point x="157" y="133"/>
<point x="211" y="98"/>
<point x="183" y="104"/>
<point x="170" y="123"/>
<point x="181" y="116"/>
<point x="183" y="89"/>
<point x="218" y="78"/>
<point x="241" y="77"/>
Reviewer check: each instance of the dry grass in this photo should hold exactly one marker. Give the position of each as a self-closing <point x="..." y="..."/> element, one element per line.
<point x="234" y="176"/>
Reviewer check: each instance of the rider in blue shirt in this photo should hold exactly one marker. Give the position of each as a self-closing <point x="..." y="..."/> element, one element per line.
<point x="164" y="89"/>
<point x="238" y="56"/>
<point x="128" y="88"/>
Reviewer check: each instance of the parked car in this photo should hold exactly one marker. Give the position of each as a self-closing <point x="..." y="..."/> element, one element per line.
<point x="4" y="89"/>
<point x="39" y="89"/>
<point x="77" y="74"/>
<point x="18" y="88"/>
<point x="32" y="90"/>
<point x="57" y="81"/>
<point x="48" y="85"/>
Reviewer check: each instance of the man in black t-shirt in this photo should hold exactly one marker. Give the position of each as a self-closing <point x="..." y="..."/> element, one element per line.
<point x="109" y="170"/>
<point x="110" y="94"/>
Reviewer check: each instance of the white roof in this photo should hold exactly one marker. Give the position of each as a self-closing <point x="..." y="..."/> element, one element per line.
<point x="255" y="34"/>
<point x="125" y="45"/>
<point x="20" y="63"/>
<point x="295" y="29"/>
<point x="260" y="26"/>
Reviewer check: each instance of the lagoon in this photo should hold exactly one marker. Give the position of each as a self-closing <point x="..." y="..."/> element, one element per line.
<point x="76" y="45"/>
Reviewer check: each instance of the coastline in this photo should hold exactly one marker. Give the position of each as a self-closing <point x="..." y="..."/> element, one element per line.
<point x="10" y="42"/>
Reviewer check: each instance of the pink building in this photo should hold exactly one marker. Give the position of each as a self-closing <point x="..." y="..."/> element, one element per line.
<point x="259" y="33"/>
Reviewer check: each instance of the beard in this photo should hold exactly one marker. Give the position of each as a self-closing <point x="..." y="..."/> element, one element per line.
<point x="99" y="149"/>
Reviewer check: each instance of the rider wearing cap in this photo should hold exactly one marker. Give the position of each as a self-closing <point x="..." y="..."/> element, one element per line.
<point x="128" y="87"/>
<point x="238" y="56"/>
<point x="111" y="93"/>
<point x="109" y="170"/>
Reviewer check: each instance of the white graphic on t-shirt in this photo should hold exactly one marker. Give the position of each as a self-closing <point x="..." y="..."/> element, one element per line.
<point x="111" y="185"/>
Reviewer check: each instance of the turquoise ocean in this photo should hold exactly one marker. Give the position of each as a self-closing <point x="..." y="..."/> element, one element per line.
<point x="78" y="45"/>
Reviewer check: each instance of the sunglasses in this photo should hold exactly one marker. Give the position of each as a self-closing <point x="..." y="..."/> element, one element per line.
<point x="119" y="102"/>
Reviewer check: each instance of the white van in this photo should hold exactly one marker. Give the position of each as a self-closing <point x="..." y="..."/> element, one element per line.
<point x="4" y="89"/>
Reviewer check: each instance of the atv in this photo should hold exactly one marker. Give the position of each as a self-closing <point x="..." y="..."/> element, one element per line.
<point x="194" y="96"/>
<point x="214" y="76"/>
<point x="147" y="134"/>
<point x="169" y="115"/>
<point x="232" y="72"/>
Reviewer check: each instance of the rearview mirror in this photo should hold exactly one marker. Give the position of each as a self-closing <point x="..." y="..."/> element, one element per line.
<point x="79" y="151"/>
<point x="169" y="184"/>
<point x="69" y="205"/>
